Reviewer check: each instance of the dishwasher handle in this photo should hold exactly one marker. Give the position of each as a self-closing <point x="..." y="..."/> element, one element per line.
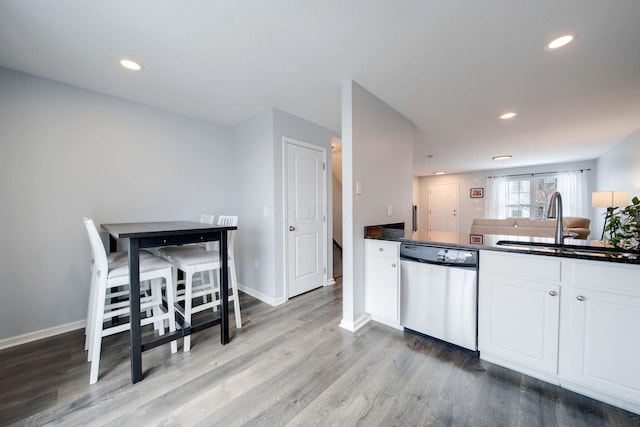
<point x="442" y="263"/>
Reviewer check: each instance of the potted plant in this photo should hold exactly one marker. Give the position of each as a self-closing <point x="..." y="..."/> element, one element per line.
<point x="624" y="226"/>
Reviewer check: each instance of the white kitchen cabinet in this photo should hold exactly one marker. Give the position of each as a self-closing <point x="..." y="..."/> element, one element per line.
<point x="518" y="314"/>
<point x="567" y="321"/>
<point x="600" y="340"/>
<point x="382" y="281"/>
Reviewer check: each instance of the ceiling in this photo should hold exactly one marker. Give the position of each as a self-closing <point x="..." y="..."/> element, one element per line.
<point x="452" y="67"/>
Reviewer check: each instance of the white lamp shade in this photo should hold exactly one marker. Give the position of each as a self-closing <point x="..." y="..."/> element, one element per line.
<point x="620" y="198"/>
<point x="609" y="199"/>
<point x="601" y="199"/>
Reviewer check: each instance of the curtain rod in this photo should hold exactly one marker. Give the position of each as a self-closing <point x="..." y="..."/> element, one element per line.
<point x="538" y="173"/>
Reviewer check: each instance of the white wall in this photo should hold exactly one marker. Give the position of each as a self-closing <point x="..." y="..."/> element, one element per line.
<point x="68" y="153"/>
<point x="619" y="170"/>
<point x="474" y="208"/>
<point x="377" y="148"/>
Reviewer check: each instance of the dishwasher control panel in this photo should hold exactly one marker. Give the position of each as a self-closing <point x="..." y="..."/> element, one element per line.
<point x="439" y="255"/>
<point x="454" y="256"/>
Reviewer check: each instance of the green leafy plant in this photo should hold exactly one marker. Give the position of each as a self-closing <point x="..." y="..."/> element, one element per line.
<point x="623" y="226"/>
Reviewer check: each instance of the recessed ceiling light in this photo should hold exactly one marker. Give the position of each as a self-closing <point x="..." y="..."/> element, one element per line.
<point x="130" y="65"/>
<point x="502" y="157"/>
<point x="440" y="173"/>
<point x="560" y="41"/>
<point x="509" y="115"/>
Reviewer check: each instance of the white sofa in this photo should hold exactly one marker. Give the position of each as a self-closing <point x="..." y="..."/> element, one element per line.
<point x="530" y="227"/>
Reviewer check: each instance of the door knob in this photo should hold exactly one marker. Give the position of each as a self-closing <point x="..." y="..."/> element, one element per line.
<point x="580" y="298"/>
<point x="553" y="293"/>
<point x="291" y="228"/>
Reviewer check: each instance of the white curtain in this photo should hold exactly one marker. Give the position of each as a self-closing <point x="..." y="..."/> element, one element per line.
<point x="496" y="197"/>
<point x="573" y="189"/>
<point x="571" y="185"/>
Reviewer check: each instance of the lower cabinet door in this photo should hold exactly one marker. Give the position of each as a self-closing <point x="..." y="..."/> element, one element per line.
<point x="602" y="342"/>
<point x="519" y="322"/>
<point x="382" y="299"/>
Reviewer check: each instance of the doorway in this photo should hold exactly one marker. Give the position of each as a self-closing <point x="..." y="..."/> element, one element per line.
<point x="443" y="212"/>
<point x="336" y="197"/>
<point x="305" y="224"/>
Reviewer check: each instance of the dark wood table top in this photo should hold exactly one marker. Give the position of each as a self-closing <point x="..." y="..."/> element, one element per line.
<point x="163" y="228"/>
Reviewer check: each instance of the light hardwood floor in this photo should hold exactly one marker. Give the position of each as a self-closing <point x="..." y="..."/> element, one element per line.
<point x="289" y="365"/>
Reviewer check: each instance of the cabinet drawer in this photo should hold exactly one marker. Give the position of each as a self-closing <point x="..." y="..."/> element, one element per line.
<point x="609" y="276"/>
<point x="533" y="267"/>
<point x="381" y="248"/>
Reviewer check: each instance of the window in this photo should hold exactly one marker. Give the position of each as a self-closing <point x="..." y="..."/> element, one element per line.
<point x="529" y="197"/>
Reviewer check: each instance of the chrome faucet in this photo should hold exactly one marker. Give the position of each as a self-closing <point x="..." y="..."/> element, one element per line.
<point x="555" y="211"/>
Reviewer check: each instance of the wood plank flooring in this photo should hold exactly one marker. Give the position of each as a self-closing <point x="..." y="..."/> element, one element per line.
<point x="289" y="365"/>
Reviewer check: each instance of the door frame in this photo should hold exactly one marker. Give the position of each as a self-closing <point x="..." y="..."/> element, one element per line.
<point x="286" y="142"/>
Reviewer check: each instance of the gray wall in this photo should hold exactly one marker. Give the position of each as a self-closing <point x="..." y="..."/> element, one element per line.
<point x="291" y="126"/>
<point x="255" y="188"/>
<point x="259" y="143"/>
<point x="68" y="153"/>
<point x="377" y="149"/>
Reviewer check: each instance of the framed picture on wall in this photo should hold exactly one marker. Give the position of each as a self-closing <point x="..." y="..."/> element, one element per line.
<point x="476" y="239"/>
<point x="477" y="193"/>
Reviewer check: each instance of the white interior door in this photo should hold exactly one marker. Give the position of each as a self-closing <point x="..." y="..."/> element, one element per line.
<point x="306" y="213"/>
<point x="443" y="212"/>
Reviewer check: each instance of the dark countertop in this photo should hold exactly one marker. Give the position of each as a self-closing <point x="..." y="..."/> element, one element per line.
<point x="573" y="248"/>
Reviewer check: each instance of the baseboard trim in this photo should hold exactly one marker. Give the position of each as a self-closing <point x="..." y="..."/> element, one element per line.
<point x="80" y="324"/>
<point x="390" y="323"/>
<point x="262" y="297"/>
<point x="354" y="326"/>
<point x="41" y="334"/>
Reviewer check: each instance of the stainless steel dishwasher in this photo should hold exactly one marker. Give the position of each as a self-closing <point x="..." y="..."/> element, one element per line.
<point x="439" y="292"/>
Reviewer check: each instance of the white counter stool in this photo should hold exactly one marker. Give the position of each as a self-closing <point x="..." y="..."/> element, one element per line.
<point x="107" y="276"/>
<point x="199" y="288"/>
<point x="113" y="294"/>
<point x="196" y="259"/>
<point x="231" y="220"/>
<point x="228" y="220"/>
<point x="112" y="257"/>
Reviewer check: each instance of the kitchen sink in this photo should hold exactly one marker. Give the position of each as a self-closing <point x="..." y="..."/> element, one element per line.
<point x="577" y="250"/>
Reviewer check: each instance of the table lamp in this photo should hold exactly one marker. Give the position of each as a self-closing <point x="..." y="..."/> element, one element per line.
<point x="609" y="200"/>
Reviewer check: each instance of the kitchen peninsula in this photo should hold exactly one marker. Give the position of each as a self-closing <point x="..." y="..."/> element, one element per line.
<point x="565" y="314"/>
